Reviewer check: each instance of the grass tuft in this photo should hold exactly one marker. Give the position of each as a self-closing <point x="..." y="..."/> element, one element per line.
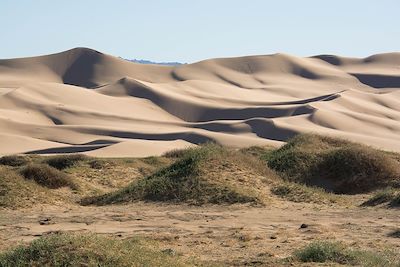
<point x="301" y="193"/>
<point x="334" y="252"/>
<point x="65" y="161"/>
<point x="86" y="250"/>
<point x="199" y="177"/>
<point x="322" y="251"/>
<point x="333" y="164"/>
<point x="13" y="160"/>
<point x="47" y="176"/>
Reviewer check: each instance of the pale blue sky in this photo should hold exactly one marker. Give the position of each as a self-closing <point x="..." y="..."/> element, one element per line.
<point x="187" y="31"/>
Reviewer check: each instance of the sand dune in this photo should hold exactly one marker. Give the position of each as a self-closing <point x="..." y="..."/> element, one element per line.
<point x="84" y="101"/>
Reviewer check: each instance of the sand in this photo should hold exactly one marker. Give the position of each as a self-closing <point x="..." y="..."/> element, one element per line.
<point x="233" y="235"/>
<point x="85" y="101"/>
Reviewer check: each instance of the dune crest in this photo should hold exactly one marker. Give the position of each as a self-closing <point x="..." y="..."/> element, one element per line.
<point x="82" y="100"/>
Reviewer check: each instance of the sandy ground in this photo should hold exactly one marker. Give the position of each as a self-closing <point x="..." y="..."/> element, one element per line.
<point x="233" y="235"/>
<point x="85" y="101"/>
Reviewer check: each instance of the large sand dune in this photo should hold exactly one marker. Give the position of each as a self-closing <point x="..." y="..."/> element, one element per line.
<point x="84" y="101"/>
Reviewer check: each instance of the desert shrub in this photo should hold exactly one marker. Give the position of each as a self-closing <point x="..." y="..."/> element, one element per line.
<point x="294" y="164"/>
<point x="334" y="252"/>
<point x="97" y="164"/>
<point x="13" y="160"/>
<point x="395" y="202"/>
<point x="175" y="153"/>
<point x="65" y="161"/>
<point x="301" y="193"/>
<point x="47" y="176"/>
<point x="186" y="180"/>
<point x="321" y="251"/>
<point x="358" y="169"/>
<point x="86" y="250"/>
<point x="18" y="192"/>
<point x="380" y="197"/>
<point x="334" y="164"/>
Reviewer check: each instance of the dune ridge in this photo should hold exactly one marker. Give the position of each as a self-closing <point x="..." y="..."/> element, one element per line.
<point x="85" y="101"/>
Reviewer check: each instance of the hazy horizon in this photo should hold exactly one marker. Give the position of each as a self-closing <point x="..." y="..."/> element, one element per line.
<point x="188" y="32"/>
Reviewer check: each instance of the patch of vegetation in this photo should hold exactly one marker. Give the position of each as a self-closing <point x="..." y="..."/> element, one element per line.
<point x="175" y="153"/>
<point x="47" y="176"/>
<point x="388" y="196"/>
<point x="14" y="160"/>
<point x="17" y="192"/>
<point x="301" y="193"/>
<point x="325" y="251"/>
<point x="380" y="197"/>
<point x="62" y="162"/>
<point x="395" y="233"/>
<point x="333" y="164"/>
<point x="86" y="250"/>
<point x="395" y="202"/>
<point x="97" y="164"/>
<point x="256" y="151"/>
<point x="203" y="175"/>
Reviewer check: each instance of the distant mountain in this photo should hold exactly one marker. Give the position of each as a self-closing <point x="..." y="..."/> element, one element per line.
<point x="142" y="61"/>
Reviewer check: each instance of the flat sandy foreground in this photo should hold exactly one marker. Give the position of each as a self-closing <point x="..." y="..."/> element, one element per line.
<point x="233" y="235"/>
<point x="84" y="101"/>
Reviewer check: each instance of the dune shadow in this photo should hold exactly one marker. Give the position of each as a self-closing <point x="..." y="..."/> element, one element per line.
<point x="378" y="81"/>
<point x="66" y="150"/>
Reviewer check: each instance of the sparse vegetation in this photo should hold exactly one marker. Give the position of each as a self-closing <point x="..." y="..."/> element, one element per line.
<point x="14" y="160"/>
<point x="380" y="197"/>
<point x="301" y="193"/>
<point x="16" y="192"/>
<point x="334" y="252"/>
<point x="196" y="178"/>
<point x="47" y="176"/>
<point x="97" y="164"/>
<point x="86" y="250"/>
<point x="336" y="165"/>
<point x="389" y="196"/>
<point x="62" y="162"/>
<point x="395" y="233"/>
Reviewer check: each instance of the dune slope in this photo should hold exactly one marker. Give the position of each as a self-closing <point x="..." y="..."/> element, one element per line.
<point x="85" y="101"/>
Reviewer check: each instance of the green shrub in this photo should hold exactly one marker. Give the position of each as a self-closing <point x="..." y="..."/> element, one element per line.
<point x="183" y="181"/>
<point x="301" y="193"/>
<point x="86" y="250"/>
<point x="334" y="164"/>
<point x="358" y="169"/>
<point x="380" y="197"/>
<point x="65" y="161"/>
<point x="13" y="160"/>
<point x="325" y="251"/>
<point x="47" y="176"/>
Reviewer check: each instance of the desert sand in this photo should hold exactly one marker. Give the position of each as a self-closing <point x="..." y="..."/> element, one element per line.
<point x="85" y="101"/>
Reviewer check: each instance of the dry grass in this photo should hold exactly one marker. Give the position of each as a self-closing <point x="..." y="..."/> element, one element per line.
<point x="17" y="192"/>
<point x="208" y="174"/>
<point x="336" y="165"/>
<point x="301" y="193"/>
<point x="14" y="160"/>
<point x="62" y="162"/>
<point x="334" y="252"/>
<point x="87" y="250"/>
<point x="47" y="176"/>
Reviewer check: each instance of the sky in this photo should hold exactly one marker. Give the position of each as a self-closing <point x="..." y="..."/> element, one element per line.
<point x="189" y="30"/>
